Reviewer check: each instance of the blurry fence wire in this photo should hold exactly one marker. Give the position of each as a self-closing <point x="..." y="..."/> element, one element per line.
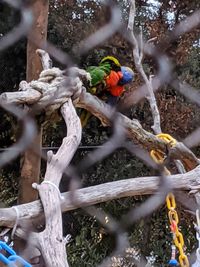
<point x="118" y="139"/>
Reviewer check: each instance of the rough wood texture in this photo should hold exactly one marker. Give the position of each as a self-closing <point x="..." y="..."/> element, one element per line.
<point x="55" y="88"/>
<point x="133" y="128"/>
<point x="135" y="132"/>
<point x="105" y="192"/>
<point x="30" y="171"/>
<point x="36" y="37"/>
<point x="50" y="241"/>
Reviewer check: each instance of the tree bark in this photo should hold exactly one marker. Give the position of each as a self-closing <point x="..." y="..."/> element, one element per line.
<point x="31" y="164"/>
<point x="52" y="246"/>
<point x="36" y="37"/>
<point x="30" y="171"/>
<point x="105" y="192"/>
<point x="52" y="95"/>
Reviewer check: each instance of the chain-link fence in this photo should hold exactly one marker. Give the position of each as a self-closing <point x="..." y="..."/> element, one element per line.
<point x="127" y="143"/>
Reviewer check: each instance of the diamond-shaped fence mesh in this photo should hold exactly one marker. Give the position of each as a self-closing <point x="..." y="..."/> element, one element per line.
<point x="124" y="227"/>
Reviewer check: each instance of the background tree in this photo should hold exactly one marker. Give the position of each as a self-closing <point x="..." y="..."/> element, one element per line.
<point x="30" y="171"/>
<point x="169" y="102"/>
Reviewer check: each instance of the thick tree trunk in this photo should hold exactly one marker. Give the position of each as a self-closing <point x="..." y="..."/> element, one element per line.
<point x="30" y="171"/>
<point x="37" y="36"/>
<point x="31" y="163"/>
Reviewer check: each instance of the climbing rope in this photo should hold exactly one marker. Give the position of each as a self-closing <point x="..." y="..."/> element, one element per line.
<point x="159" y="156"/>
<point x="12" y="258"/>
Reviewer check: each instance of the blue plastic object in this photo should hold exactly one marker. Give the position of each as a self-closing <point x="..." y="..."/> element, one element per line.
<point x="173" y="262"/>
<point x="4" y="246"/>
<point x="12" y="256"/>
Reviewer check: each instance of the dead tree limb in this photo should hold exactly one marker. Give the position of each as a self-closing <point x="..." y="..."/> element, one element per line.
<point x="104" y="192"/>
<point x="52" y="246"/>
<point x="138" y="56"/>
<point x="135" y="132"/>
<point x="55" y="88"/>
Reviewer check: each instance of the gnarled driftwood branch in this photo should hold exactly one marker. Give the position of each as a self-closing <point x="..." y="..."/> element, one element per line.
<point x="104" y="192"/>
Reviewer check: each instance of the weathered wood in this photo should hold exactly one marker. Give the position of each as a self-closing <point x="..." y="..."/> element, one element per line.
<point x="56" y="88"/>
<point x="21" y="97"/>
<point x="52" y="246"/>
<point x="62" y="88"/>
<point x="185" y="155"/>
<point x="135" y="132"/>
<point x="104" y="192"/>
<point x="45" y="59"/>
<point x="133" y="128"/>
<point x="138" y="57"/>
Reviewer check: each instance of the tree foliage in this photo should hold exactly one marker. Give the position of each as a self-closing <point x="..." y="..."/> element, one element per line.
<point x="69" y="23"/>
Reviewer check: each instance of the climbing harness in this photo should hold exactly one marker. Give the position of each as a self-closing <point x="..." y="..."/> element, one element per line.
<point x="12" y="258"/>
<point x="158" y="156"/>
<point x="197" y="227"/>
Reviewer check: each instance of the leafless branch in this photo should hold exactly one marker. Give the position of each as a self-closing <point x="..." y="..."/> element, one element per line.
<point x="138" y="55"/>
<point x="104" y="192"/>
<point x="55" y="254"/>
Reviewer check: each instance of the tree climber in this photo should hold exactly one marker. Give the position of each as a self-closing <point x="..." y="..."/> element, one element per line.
<point x="107" y="82"/>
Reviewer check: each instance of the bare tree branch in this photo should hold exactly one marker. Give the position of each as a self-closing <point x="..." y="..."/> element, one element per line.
<point x="54" y="88"/>
<point x="52" y="245"/>
<point x="138" y="56"/>
<point x="104" y="192"/>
